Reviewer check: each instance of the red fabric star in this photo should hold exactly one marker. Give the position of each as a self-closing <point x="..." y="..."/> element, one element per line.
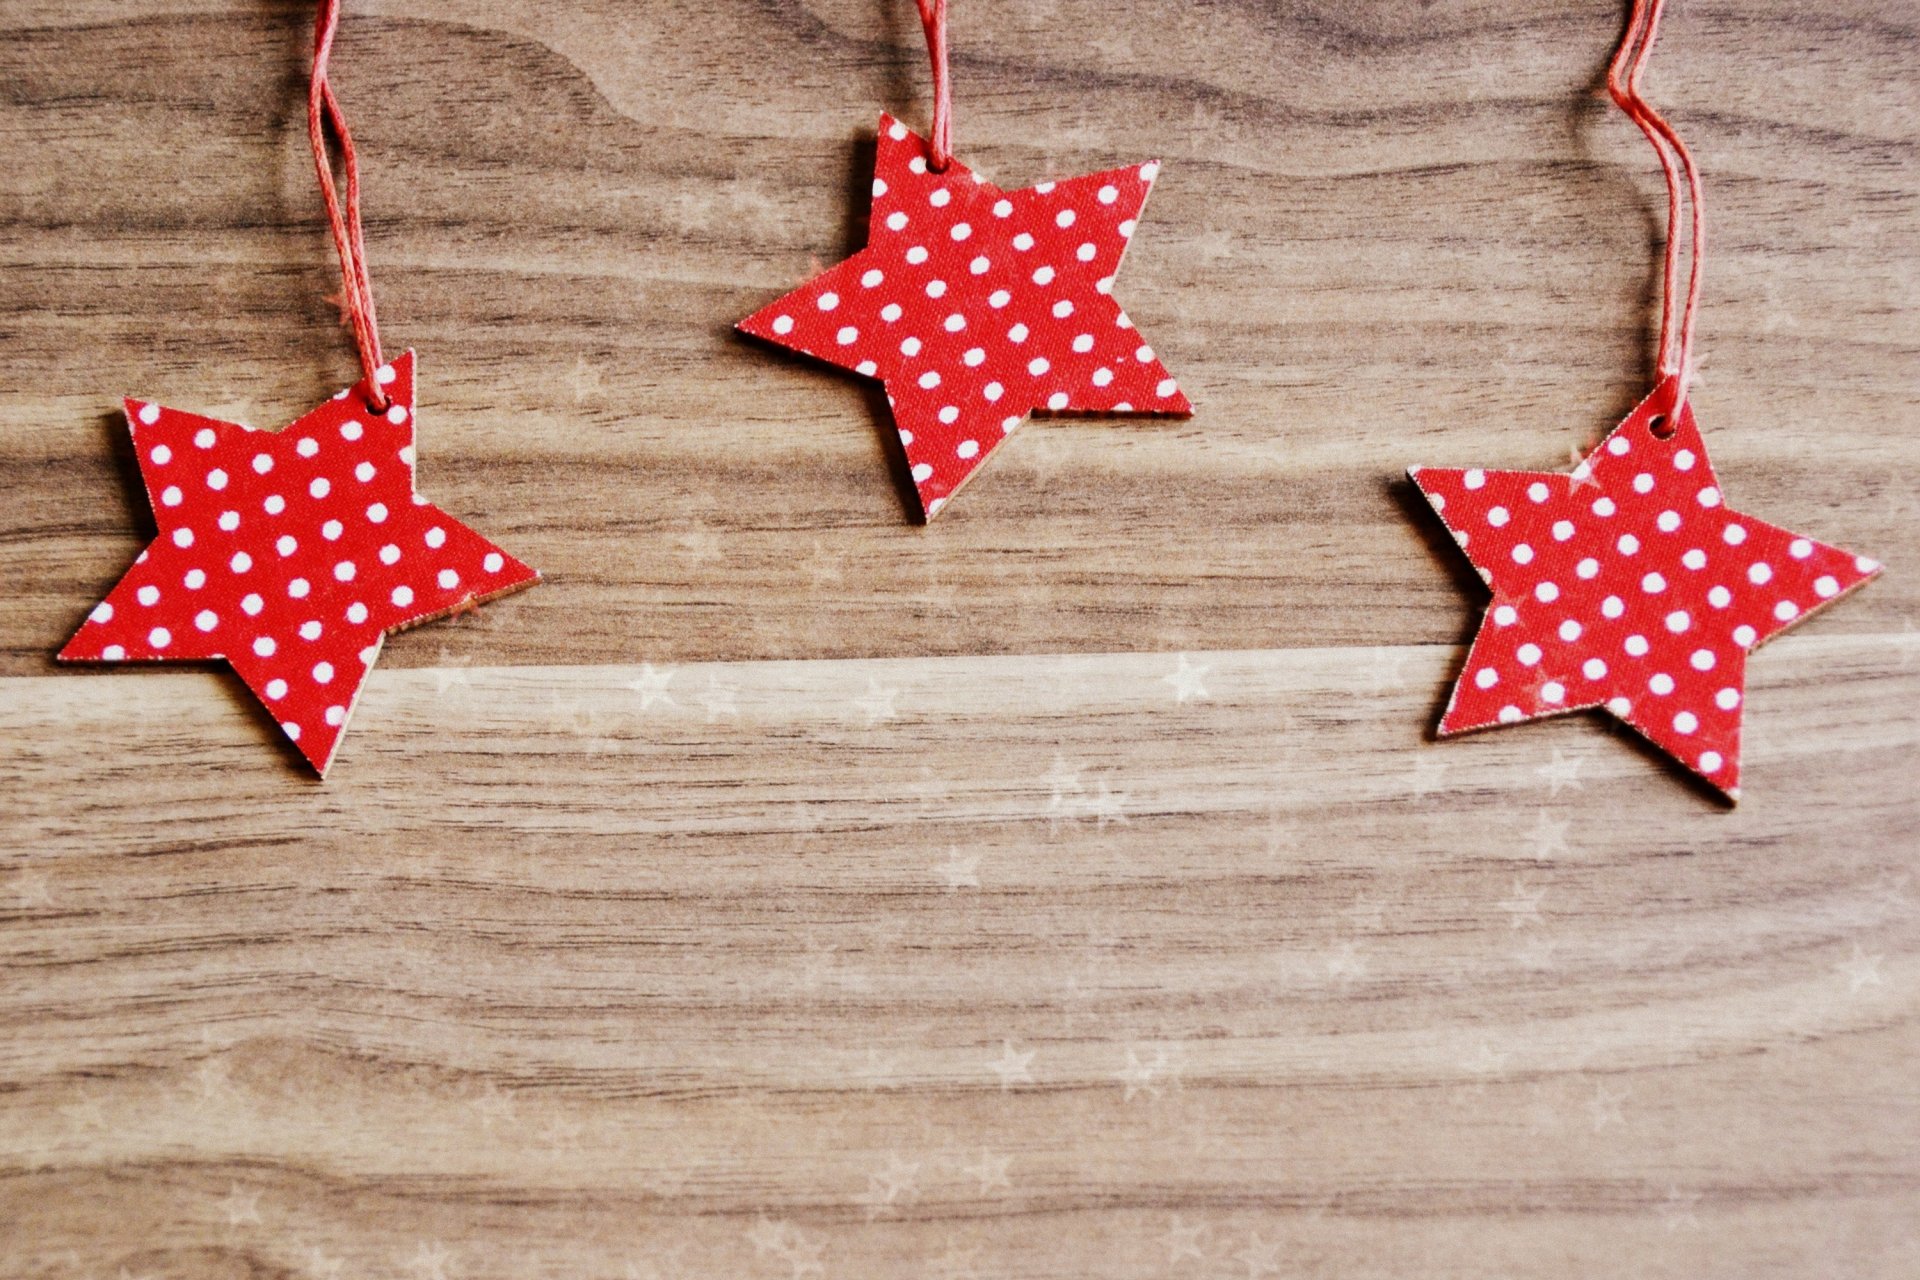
<point x="1628" y="585"/>
<point x="290" y="554"/>
<point x="977" y="306"/>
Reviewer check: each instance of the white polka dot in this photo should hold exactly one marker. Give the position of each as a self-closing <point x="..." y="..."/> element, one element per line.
<point x="1643" y="483"/>
<point x="344" y="571"/>
<point x="276" y="689"/>
<point x="1866" y="565"/>
<point x="1686" y="722"/>
<point x="229" y="521"/>
<point x="1800" y="548"/>
<point x="917" y="165"/>
<point x="196" y="579"/>
<point x="204" y="437"/>
<point x="1546" y="592"/>
<point x="1709" y="497"/>
<point x="1617" y="446"/>
<point x="1102" y="376"/>
<point x="1668" y="521"/>
<point x="1727" y="699"/>
<point x="320" y="487"/>
<point x="1008" y="424"/>
<point x="929" y="380"/>
<point x="1661" y="683"/>
<point x="1144" y="354"/>
<point x="275" y="504"/>
<point x="1593" y="669"/>
<point x="1702" y="659"/>
<point x="936" y="288"/>
<point x="1057" y="401"/>
<point x="873" y="277"/>
<point x="1826" y="587"/>
<point x="1508" y="715"/>
<point x="322" y="672"/>
<point x="1678" y="621"/>
<point x="1562" y="530"/>
<point x="1528" y="654"/>
<point x="436" y="537"/>
<point x="1587" y="569"/>
<point x="1553" y="691"/>
<point x="1043" y="276"/>
<point x="336" y="716"/>
<point x="364" y="472"/>
<point x="1653" y="584"/>
<point x="351" y="430"/>
<point x="1570" y="630"/>
<point x="251" y="604"/>
<point x="993" y="391"/>
<point x="896" y="221"/>
<point x="183" y="537"/>
<point x="1694" y="559"/>
<point x="1166" y="388"/>
<point x="1604" y="507"/>
<point x="940" y="197"/>
<point x="1759" y="573"/>
<point x="448" y="579"/>
<point x="1474" y="478"/>
<point x="999" y="298"/>
<point x="1086" y="253"/>
<point x="910" y="347"/>
<point x="922" y="473"/>
<point x="171" y="495"/>
<point x="285" y="544"/>
<point x="827" y="301"/>
<point x="307" y="447"/>
<point x="968" y="448"/>
<point x="950" y="413"/>
<point x="783" y="324"/>
<point x="1734" y="534"/>
<point x="216" y="479"/>
<point x="1522" y="553"/>
<point x="406" y="454"/>
<point x="1683" y="460"/>
<point x="264" y="646"/>
<point x="1786" y="610"/>
<point x="150" y="414"/>
<point x="241" y="562"/>
<point x="1612" y="607"/>
<point x="1486" y="677"/>
<point x="1108" y="194"/>
<point x="955" y="322"/>
<point x="1537" y="491"/>
<point x="310" y="629"/>
<point x="1636" y="645"/>
<point x="1719" y="597"/>
<point x="494" y="562"/>
<point x="402" y="595"/>
<point x="1002" y="208"/>
<point x="960" y="231"/>
<point x="1619" y="706"/>
<point x="1018" y="333"/>
<point x="389" y="554"/>
<point x="866" y="368"/>
<point x="1710" y="762"/>
<point x="1498" y="516"/>
<point x="1126" y="229"/>
<point x="291" y="729"/>
<point x="298" y="588"/>
<point x="1506" y="615"/>
<point x="979" y="266"/>
<point x="1038" y="365"/>
<point x="377" y="513"/>
<point x="1628" y="544"/>
<point x="147" y="595"/>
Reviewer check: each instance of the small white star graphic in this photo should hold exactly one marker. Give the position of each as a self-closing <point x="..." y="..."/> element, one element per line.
<point x="720" y="700"/>
<point x="1262" y="1258"/>
<point x="1679" y="1207"/>
<point x="1861" y="970"/>
<point x="991" y="1171"/>
<point x="1486" y="1062"/>
<point x="877" y="703"/>
<point x="1604" y="1107"/>
<point x="961" y="873"/>
<point x="430" y="1262"/>
<point x="1013" y="1066"/>
<point x="1347" y="963"/>
<point x="1522" y="905"/>
<point x="1187" y="681"/>
<point x="886" y="1187"/>
<point x="1183" y="1241"/>
<point x="1549" y="837"/>
<point x="652" y="685"/>
<point x="1138" y="1076"/>
<point x="1429" y="776"/>
<point x="241" y="1207"/>
<point x="30" y="889"/>
<point x="1562" y="772"/>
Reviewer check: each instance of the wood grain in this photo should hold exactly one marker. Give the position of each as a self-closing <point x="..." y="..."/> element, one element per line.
<point x="1070" y="889"/>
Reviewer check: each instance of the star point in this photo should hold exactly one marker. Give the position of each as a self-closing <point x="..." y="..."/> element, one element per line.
<point x="977" y="307"/>
<point x="291" y="554"/>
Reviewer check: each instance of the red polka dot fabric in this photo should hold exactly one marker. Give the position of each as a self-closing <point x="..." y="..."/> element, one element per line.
<point x="1628" y="585"/>
<point x="289" y="555"/>
<point x="976" y="306"/>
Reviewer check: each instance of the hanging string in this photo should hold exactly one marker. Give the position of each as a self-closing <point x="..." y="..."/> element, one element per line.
<point x="933" y="17"/>
<point x="1623" y="83"/>
<point x="323" y="109"/>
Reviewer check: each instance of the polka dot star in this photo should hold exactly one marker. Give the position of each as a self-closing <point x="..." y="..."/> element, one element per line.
<point x="1628" y="585"/>
<point x="976" y="306"/>
<point x="290" y="554"/>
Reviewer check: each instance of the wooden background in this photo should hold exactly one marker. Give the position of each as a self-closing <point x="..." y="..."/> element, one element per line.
<point x="784" y="890"/>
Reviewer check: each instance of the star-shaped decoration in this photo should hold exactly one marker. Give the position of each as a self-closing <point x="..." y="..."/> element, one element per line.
<point x="976" y="306"/>
<point x="1641" y="593"/>
<point x="290" y="555"/>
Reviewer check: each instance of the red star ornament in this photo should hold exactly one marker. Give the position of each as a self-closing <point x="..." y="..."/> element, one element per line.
<point x="291" y="554"/>
<point x="976" y="306"/>
<point x="1628" y="584"/>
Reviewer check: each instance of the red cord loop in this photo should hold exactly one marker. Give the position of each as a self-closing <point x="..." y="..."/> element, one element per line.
<point x="324" y="109"/>
<point x="1623" y="83"/>
<point x="933" y="17"/>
